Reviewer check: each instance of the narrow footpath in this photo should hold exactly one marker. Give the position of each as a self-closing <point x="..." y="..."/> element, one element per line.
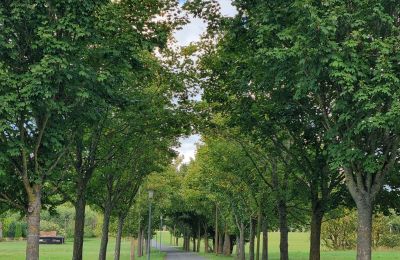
<point x="175" y="253"/>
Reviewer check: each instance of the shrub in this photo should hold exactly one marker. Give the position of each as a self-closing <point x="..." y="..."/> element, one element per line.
<point x="18" y="230"/>
<point x="340" y="233"/>
<point x="390" y="240"/>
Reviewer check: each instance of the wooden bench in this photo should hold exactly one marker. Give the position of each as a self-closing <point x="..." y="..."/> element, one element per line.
<point x="50" y="237"/>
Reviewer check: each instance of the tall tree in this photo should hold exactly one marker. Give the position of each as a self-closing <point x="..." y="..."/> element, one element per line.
<point x="39" y="68"/>
<point x="310" y="67"/>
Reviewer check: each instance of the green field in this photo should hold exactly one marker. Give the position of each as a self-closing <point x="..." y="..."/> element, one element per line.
<point x="298" y="247"/>
<point x="16" y="250"/>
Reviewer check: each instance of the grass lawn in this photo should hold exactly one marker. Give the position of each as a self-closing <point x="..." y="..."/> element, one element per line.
<point x="16" y="250"/>
<point x="298" y="249"/>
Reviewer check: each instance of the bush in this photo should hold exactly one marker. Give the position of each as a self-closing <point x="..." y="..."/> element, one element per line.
<point x="390" y="240"/>
<point x="11" y="230"/>
<point x="49" y="226"/>
<point x="18" y="230"/>
<point x="340" y="233"/>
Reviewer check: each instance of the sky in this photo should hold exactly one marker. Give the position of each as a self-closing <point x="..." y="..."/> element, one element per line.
<point x="191" y="33"/>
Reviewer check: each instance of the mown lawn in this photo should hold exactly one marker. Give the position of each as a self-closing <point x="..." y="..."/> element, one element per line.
<point x="298" y="249"/>
<point x="16" y="250"/>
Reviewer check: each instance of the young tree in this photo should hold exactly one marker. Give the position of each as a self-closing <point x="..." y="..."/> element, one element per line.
<point x="39" y="69"/>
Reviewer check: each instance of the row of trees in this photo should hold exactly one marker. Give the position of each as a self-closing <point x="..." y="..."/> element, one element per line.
<point x="233" y="195"/>
<point x="86" y="108"/>
<point x="310" y="91"/>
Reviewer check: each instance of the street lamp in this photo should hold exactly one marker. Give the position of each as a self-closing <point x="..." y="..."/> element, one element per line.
<point x="151" y="194"/>
<point x="161" y="227"/>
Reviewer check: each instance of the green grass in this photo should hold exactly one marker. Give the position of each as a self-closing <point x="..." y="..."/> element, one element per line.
<point x="15" y="250"/>
<point x="298" y="249"/>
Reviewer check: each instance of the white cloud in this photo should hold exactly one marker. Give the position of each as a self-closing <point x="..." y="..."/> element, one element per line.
<point x="227" y="8"/>
<point x="188" y="147"/>
<point x="192" y="33"/>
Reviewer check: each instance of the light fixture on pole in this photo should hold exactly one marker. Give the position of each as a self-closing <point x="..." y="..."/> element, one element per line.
<point x="151" y="194"/>
<point x="161" y="229"/>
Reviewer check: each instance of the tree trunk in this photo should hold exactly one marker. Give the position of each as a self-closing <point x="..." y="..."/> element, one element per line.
<point x="173" y="235"/>
<point x="198" y="237"/>
<point x="80" y="206"/>
<point x="142" y="244"/>
<point x="194" y="244"/>
<point x="237" y="246"/>
<point x="104" y="233"/>
<point x="242" y="252"/>
<point x="265" y="240"/>
<point x="117" y="252"/>
<point x="227" y="244"/>
<point x="205" y="239"/>
<point x="177" y="241"/>
<point x="187" y="243"/>
<point x="132" y="256"/>
<point x="283" y="228"/>
<point x="315" y="236"/>
<point x="364" y="231"/>
<point x="1" y="231"/>
<point x="259" y="220"/>
<point x="33" y="219"/>
<point x="220" y="242"/>
<point x="139" y="245"/>
<point x="363" y="190"/>
<point x="216" y="230"/>
<point x="252" y="235"/>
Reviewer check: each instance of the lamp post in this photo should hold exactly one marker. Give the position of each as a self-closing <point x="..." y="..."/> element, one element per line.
<point x="151" y="194"/>
<point x="161" y="227"/>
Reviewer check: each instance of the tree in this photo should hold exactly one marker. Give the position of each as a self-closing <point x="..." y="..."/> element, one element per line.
<point x="39" y="46"/>
<point x="319" y="66"/>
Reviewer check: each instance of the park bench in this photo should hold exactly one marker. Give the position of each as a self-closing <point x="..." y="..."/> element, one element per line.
<point x="50" y="237"/>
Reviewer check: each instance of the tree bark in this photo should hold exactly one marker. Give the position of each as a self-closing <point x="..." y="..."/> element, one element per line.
<point x="132" y="256"/>
<point x="194" y="244"/>
<point x="252" y="236"/>
<point x="242" y="252"/>
<point x="80" y="207"/>
<point x="142" y="243"/>
<point x="284" y="231"/>
<point x="117" y="252"/>
<point x="216" y="231"/>
<point x="1" y="231"/>
<point x="139" y="246"/>
<point x="205" y="239"/>
<point x="237" y="246"/>
<point x="33" y="219"/>
<point x="259" y="220"/>
<point x="363" y="190"/>
<point x="265" y="240"/>
<point x="227" y="244"/>
<point x="364" y="231"/>
<point x="315" y="236"/>
<point x="104" y="233"/>
<point x="220" y="242"/>
<point x="198" y="237"/>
